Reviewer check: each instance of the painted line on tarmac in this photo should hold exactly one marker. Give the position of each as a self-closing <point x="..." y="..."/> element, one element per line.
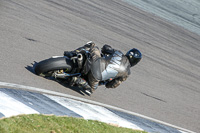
<point x="11" y="85"/>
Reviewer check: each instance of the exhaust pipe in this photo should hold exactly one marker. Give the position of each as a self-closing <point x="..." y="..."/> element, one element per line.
<point x="80" y="60"/>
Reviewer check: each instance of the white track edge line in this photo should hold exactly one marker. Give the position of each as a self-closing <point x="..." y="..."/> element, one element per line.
<point x="5" y="84"/>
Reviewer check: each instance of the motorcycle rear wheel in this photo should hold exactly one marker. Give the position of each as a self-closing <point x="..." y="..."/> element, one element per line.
<point x="47" y="67"/>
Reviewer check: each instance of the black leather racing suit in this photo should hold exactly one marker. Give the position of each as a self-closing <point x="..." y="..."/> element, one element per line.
<point x="113" y="67"/>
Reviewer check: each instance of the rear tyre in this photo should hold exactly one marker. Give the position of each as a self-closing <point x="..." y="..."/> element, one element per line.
<point x="47" y="67"/>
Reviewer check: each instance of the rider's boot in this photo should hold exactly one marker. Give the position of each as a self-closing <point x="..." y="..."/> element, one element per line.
<point x="81" y="82"/>
<point x="89" y="45"/>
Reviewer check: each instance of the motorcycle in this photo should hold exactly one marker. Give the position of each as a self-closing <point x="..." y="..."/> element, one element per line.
<point x="63" y="67"/>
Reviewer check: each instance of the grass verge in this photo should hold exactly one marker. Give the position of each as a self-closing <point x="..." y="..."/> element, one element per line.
<point x="37" y="123"/>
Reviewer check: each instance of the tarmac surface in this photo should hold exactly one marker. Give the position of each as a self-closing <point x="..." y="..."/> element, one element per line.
<point x="185" y="13"/>
<point x="164" y="85"/>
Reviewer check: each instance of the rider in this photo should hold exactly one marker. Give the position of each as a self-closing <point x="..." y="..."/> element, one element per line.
<point x="108" y="65"/>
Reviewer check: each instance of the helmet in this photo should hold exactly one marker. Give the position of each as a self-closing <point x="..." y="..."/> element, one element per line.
<point x="134" y="56"/>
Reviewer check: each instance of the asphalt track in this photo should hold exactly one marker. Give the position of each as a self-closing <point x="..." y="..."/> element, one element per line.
<point x="164" y="85"/>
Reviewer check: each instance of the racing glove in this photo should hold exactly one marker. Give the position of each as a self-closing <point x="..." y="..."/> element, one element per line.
<point x="116" y="82"/>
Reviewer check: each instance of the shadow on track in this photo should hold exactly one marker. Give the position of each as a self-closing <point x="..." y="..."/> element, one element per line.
<point x="62" y="82"/>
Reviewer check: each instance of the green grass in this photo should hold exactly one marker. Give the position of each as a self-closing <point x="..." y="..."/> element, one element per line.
<point x="35" y="123"/>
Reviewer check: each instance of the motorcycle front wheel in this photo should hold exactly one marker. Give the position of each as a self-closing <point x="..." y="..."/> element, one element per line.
<point x="46" y="67"/>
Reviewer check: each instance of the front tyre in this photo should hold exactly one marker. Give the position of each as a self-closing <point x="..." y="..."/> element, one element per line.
<point x="48" y="66"/>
